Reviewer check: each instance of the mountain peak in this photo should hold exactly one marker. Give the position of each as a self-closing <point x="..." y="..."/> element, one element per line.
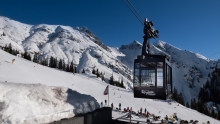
<point x="135" y="42"/>
<point x="135" y="45"/>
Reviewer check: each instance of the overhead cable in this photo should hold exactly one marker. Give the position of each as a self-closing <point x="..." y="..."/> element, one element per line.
<point x="214" y="54"/>
<point x="135" y="9"/>
<point x="141" y="21"/>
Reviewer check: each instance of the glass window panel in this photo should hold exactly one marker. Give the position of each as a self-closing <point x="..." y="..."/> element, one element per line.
<point x="136" y="72"/>
<point x="148" y="64"/>
<point x="148" y="77"/>
<point x="136" y="78"/>
<point x="136" y="81"/>
<point x="160" y="77"/>
<point x="137" y="65"/>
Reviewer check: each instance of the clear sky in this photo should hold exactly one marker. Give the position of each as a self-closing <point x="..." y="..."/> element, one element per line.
<point x="192" y="25"/>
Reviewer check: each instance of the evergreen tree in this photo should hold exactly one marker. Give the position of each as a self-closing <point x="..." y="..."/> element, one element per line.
<point x="111" y="80"/>
<point x="55" y="63"/>
<point x="60" y="64"/>
<point x="122" y="84"/>
<point x="10" y="48"/>
<point x="64" y="65"/>
<point x="75" y="70"/>
<point x="193" y="104"/>
<point x="83" y="71"/>
<point x="51" y="64"/>
<point x="181" y="99"/>
<point x="187" y="105"/>
<point x="97" y="73"/>
<point x="12" y="52"/>
<point x="93" y="71"/>
<point x="71" y="67"/>
<point x="44" y="62"/>
<point x="15" y="52"/>
<point x="29" y="57"/>
<point x="67" y="68"/>
<point x="200" y="106"/>
<point x="6" y="48"/>
<point x="174" y="96"/>
<point x="206" y="111"/>
<point x="35" y="59"/>
<point x="25" y="54"/>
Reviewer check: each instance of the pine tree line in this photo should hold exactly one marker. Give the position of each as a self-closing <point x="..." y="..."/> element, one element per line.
<point x="98" y="74"/>
<point x="25" y="55"/>
<point x="209" y="92"/>
<point x="53" y="62"/>
<point x="8" y="48"/>
<point x="178" y="97"/>
<point x="116" y="83"/>
<point x="202" y="108"/>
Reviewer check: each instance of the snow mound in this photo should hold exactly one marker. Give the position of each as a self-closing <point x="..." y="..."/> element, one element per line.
<point x="37" y="103"/>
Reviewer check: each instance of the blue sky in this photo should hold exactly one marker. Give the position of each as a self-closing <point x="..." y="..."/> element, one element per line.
<point x="192" y="25"/>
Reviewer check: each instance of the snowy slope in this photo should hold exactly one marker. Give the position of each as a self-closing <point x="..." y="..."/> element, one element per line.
<point x="79" y="45"/>
<point x="38" y="78"/>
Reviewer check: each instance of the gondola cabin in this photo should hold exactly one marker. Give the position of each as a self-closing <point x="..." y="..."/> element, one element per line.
<point x="152" y="77"/>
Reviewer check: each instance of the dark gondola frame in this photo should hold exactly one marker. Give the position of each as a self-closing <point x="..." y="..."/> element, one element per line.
<point x="155" y="91"/>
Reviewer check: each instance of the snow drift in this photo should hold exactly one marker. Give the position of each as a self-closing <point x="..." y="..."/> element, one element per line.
<point x="37" y="103"/>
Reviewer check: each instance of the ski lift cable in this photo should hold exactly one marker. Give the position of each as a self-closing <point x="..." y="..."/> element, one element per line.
<point x="214" y="54"/>
<point x="133" y="12"/>
<point x="135" y="9"/>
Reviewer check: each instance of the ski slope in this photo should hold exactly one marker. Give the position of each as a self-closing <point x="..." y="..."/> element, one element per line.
<point x="25" y="75"/>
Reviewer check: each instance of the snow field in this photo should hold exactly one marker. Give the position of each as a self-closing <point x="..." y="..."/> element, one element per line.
<point x="26" y="72"/>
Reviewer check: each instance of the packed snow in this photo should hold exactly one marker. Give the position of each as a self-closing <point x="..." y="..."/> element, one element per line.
<point x="27" y="94"/>
<point x="38" y="103"/>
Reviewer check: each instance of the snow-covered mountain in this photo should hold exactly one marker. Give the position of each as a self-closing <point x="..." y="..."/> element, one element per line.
<point x="80" y="45"/>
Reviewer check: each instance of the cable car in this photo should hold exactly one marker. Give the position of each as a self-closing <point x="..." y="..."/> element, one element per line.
<point x="152" y="76"/>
